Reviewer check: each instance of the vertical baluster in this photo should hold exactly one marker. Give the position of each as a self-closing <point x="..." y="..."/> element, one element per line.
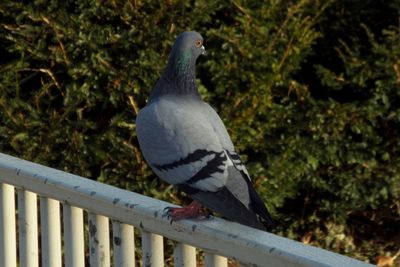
<point x="211" y="260"/>
<point x="99" y="240"/>
<point x="28" y="229"/>
<point x="51" y="232"/>
<point x="8" y="246"/>
<point x="73" y="236"/>
<point x="153" y="249"/>
<point x="184" y="255"/>
<point x="124" y="245"/>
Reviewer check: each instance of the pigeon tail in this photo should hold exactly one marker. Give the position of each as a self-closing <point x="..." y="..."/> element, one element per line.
<point x="259" y="207"/>
<point x="226" y="204"/>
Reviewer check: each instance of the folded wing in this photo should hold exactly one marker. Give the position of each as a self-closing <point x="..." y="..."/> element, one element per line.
<point x="186" y="144"/>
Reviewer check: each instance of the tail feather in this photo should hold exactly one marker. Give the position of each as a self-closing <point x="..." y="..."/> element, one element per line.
<point x="259" y="207"/>
<point x="224" y="202"/>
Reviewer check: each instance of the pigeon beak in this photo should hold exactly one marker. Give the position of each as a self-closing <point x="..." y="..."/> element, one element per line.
<point x="203" y="51"/>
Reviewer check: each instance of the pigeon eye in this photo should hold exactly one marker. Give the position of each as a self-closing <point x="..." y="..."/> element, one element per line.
<point x="198" y="43"/>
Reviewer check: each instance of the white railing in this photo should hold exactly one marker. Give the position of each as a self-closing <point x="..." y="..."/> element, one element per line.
<point x="126" y="210"/>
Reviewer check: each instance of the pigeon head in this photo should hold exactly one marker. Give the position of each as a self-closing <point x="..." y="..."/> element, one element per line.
<point x="180" y="74"/>
<point x="188" y="46"/>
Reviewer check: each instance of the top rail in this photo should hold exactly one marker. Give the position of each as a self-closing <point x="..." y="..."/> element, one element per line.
<point x="214" y="235"/>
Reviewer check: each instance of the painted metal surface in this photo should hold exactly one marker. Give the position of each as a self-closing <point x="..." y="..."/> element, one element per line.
<point x="74" y="242"/>
<point x="215" y="235"/>
<point x="28" y="229"/>
<point x="8" y="255"/>
<point x="212" y="260"/>
<point x="99" y="240"/>
<point x="153" y="249"/>
<point x="50" y="223"/>
<point x="123" y="244"/>
<point x="184" y="255"/>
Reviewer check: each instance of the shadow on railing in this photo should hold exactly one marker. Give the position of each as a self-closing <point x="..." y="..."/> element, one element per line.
<point x="126" y="210"/>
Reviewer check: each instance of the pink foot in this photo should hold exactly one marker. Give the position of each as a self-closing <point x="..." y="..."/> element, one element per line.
<point x="193" y="211"/>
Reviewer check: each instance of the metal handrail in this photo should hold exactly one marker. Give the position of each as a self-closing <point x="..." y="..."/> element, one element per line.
<point x="215" y="235"/>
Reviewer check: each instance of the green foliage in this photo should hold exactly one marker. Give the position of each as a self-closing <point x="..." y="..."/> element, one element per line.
<point x="309" y="91"/>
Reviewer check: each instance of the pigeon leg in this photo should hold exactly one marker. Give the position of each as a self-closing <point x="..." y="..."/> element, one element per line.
<point x="193" y="211"/>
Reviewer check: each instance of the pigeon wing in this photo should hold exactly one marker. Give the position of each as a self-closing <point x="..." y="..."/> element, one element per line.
<point x="186" y="147"/>
<point x="238" y="177"/>
<point x="180" y="146"/>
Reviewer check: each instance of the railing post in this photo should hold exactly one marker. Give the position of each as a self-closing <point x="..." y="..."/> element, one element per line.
<point x="184" y="255"/>
<point x="8" y="246"/>
<point x="99" y="240"/>
<point x="28" y="229"/>
<point x="73" y="236"/>
<point x="211" y="260"/>
<point x="153" y="249"/>
<point x="50" y="232"/>
<point x="124" y="245"/>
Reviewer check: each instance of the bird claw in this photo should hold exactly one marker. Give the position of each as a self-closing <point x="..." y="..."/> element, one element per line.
<point x="166" y="212"/>
<point x="193" y="211"/>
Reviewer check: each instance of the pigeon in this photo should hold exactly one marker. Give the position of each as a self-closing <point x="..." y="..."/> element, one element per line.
<point x="186" y="144"/>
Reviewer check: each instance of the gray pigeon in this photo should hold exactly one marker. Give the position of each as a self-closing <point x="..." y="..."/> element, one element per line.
<point x="186" y="144"/>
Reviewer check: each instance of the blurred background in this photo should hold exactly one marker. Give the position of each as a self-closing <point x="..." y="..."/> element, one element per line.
<point x="309" y="91"/>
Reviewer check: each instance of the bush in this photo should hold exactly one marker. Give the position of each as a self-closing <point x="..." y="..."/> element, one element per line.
<point x="309" y="91"/>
